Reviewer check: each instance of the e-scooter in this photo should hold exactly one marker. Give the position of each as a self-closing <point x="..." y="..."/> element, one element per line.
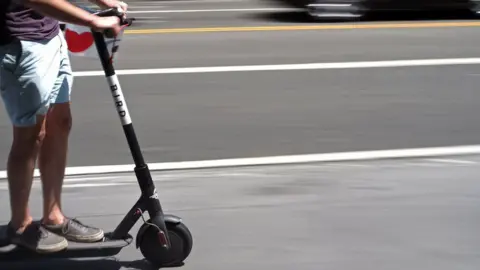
<point x="163" y="239"/>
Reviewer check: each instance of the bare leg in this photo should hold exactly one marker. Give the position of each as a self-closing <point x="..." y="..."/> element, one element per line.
<point x="52" y="161"/>
<point x="21" y="164"/>
<point x="27" y="142"/>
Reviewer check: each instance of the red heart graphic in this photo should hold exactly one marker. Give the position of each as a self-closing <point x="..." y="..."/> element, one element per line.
<point x="78" y="42"/>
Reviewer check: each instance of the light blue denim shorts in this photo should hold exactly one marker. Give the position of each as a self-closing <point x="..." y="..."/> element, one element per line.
<point x="33" y="76"/>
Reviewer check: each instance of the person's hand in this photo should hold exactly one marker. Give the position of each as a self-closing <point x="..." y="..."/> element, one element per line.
<point x="112" y="23"/>
<point x="105" y="4"/>
<point x="122" y="5"/>
<point x="117" y="4"/>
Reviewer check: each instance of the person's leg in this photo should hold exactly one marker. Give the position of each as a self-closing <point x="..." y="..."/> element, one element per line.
<point x="20" y="167"/>
<point x="52" y="161"/>
<point x="53" y="157"/>
<point x="23" y="88"/>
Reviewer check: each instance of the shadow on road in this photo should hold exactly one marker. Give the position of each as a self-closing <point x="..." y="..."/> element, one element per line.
<point x="302" y="17"/>
<point x="99" y="264"/>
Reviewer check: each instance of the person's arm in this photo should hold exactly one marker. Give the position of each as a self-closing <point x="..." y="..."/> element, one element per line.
<point x="62" y="11"/>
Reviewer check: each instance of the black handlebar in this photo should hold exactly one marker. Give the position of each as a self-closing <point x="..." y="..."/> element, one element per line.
<point x="109" y="12"/>
<point x="115" y="12"/>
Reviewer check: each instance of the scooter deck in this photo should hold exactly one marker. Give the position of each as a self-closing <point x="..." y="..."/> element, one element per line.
<point x="106" y="248"/>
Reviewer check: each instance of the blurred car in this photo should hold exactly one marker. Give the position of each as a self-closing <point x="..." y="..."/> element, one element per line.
<point x="337" y="9"/>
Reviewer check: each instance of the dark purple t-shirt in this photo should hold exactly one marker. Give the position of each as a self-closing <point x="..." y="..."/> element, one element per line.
<point x="23" y="23"/>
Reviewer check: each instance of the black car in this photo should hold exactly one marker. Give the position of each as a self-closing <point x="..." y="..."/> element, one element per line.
<point x="359" y="8"/>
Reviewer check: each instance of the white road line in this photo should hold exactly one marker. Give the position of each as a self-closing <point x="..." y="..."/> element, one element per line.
<point x="146" y="21"/>
<point x="147" y="17"/>
<point x="133" y="8"/>
<point x="346" y="165"/>
<point x="95" y="185"/>
<point x="183" y="2"/>
<point x="308" y="66"/>
<point x="208" y="10"/>
<point x="279" y="160"/>
<point x="5" y="187"/>
<point x="420" y="164"/>
<point x="85" y="179"/>
<point x="452" y="161"/>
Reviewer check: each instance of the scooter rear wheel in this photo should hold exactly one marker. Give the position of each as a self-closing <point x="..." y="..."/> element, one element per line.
<point x="181" y="245"/>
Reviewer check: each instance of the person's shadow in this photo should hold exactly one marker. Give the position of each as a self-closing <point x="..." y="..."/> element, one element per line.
<point x="79" y="264"/>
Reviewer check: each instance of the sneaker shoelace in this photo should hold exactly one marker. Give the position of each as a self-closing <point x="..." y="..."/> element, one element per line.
<point x="74" y="223"/>
<point x="36" y="231"/>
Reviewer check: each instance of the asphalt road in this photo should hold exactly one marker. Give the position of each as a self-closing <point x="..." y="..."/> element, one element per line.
<point x="378" y="215"/>
<point x="244" y="114"/>
<point x="404" y="214"/>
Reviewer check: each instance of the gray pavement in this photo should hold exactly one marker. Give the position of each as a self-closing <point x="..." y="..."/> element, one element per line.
<point x="209" y="116"/>
<point x="244" y="114"/>
<point x="377" y="215"/>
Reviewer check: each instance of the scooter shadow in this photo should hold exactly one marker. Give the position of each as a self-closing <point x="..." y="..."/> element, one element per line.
<point x="71" y="264"/>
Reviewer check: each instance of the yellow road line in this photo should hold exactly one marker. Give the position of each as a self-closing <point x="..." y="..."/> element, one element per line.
<point x="303" y="27"/>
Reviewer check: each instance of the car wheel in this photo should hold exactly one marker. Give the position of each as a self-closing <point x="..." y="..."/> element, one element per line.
<point x="475" y="7"/>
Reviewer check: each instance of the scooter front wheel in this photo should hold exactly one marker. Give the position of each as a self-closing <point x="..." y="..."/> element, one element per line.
<point x="181" y="243"/>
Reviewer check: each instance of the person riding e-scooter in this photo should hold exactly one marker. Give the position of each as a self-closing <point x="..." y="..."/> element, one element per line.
<point x="35" y="84"/>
